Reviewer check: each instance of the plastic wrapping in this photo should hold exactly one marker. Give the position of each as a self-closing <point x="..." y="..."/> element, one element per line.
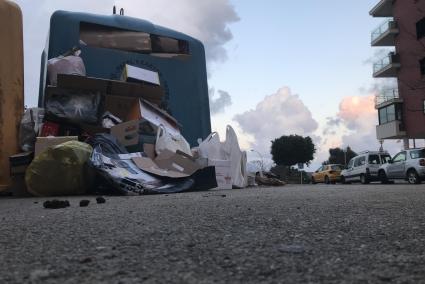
<point x="74" y="106"/>
<point x="122" y="176"/>
<point x="72" y="65"/>
<point x="30" y="126"/>
<point x="60" y="170"/>
<point x="108" y="144"/>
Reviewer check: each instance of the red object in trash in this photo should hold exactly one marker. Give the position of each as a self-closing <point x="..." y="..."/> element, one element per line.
<point x="49" y="129"/>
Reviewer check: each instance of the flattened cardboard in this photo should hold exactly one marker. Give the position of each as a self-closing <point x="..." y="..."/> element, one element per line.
<point x="43" y="143"/>
<point x="147" y="165"/>
<point x="149" y="150"/>
<point x="137" y="74"/>
<point x="168" y="164"/>
<point x="152" y="93"/>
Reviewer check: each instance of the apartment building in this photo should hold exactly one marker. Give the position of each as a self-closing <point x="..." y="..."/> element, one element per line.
<point x="401" y="110"/>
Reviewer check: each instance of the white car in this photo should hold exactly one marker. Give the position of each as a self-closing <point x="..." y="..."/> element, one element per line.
<point x="408" y="165"/>
<point x="364" y="167"/>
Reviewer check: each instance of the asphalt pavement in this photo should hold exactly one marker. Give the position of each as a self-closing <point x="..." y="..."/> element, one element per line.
<point x="292" y="234"/>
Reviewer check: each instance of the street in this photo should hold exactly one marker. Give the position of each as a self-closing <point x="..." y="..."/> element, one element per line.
<point x="293" y="234"/>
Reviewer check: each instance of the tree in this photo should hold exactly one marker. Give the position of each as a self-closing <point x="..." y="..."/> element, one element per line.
<point x="337" y="156"/>
<point x="292" y="149"/>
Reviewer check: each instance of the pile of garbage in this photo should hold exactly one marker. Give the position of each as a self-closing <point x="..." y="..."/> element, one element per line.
<point x="112" y="137"/>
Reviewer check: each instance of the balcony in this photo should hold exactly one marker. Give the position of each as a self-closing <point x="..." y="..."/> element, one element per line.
<point x="390" y="130"/>
<point x="383" y="9"/>
<point x="387" y="67"/>
<point x="387" y="97"/>
<point x="385" y="34"/>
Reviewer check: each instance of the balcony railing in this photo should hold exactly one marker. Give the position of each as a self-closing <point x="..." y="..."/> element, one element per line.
<point x="383" y="8"/>
<point x="387" y="28"/>
<point x="387" y="66"/>
<point x="387" y="95"/>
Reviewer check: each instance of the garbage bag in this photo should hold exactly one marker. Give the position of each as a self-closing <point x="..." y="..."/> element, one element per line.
<point x="119" y="175"/>
<point x="109" y="144"/>
<point x="60" y="170"/>
<point x="71" y="65"/>
<point x="211" y="148"/>
<point x="74" y="106"/>
<point x="29" y="128"/>
<point x="237" y="159"/>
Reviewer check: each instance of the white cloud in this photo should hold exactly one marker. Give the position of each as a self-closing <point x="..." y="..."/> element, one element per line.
<point x="355" y="126"/>
<point x="279" y="114"/>
<point x="207" y="20"/>
<point x="219" y="103"/>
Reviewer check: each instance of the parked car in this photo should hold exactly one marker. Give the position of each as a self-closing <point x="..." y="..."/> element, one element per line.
<point x="408" y="165"/>
<point x="327" y="174"/>
<point x="364" y="167"/>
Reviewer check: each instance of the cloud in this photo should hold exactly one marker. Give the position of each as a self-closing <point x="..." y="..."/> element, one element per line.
<point x="207" y="20"/>
<point x="218" y="105"/>
<point x="279" y="114"/>
<point x="357" y="119"/>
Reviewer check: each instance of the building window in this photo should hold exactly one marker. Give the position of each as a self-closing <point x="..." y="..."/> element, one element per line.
<point x="420" y="28"/>
<point x="422" y="66"/>
<point x="390" y="113"/>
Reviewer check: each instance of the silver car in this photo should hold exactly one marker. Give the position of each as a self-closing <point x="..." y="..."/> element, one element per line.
<point x="408" y="165"/>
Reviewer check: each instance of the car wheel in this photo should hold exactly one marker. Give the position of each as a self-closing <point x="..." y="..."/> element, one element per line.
<point x="327" y="180"/>
<point x="412" y="177"/>
<point x="313" y="181"/>
<point x="383" y="177"/>
<point x="363" y="179"/>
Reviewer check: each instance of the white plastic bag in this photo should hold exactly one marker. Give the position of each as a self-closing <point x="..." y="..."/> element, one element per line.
<point x="211" y="147"/>
<point x="172" y="142"/>
<point x="71" y="65"/>
<point x="30" y="127"/>
<point x="237" y="159"/>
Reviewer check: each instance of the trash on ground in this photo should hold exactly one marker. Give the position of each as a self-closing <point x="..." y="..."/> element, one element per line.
<point x="56" y="204"/>
<point x="100" y="200"/>
<point x="84" y="203"/>
<point x="102" y="136"/>
<point x="60" y="170"/>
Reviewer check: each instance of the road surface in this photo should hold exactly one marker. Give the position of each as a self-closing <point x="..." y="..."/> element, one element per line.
<point x="293" y="234"/>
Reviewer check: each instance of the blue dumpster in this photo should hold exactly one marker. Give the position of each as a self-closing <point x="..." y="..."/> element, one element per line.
<point x="109" y="42"/>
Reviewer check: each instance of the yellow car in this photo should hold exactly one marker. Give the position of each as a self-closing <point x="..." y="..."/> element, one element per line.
<point x="327" y="174"/>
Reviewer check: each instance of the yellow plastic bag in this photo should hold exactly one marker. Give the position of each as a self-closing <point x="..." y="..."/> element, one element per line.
<point x="60" y="170"/>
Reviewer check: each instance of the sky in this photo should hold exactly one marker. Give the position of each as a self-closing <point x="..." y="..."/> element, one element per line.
<point x="275" y="67"/>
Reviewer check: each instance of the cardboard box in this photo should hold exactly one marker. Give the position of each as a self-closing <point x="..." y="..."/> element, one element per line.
<point x="168" y="164"/>
<point x="127" y="133"/>
<point x="43" y="143"/>
<point x="156" y="116"/>
<point x="138" y="75"/>
<point x="134" y="134"/>
<point x="222" y="172"/>
<point x="152" y="93"/>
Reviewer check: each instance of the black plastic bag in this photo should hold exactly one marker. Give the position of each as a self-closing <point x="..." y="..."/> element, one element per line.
<point x="109" y="144"/>
<point x="74" y="106"/>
